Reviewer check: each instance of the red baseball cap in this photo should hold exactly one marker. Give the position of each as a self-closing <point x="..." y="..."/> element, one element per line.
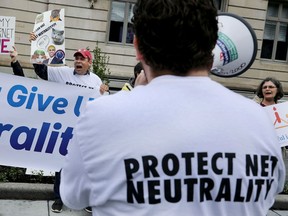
<point x="85" y="53"/>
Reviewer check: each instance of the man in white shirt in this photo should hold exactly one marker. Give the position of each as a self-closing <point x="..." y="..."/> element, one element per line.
<point x="78" y="76"/>
<point x="180" y="145"/>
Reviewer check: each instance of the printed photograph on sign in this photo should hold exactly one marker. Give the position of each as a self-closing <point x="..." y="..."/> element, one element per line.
<point x="7" y="34"/>
<point x="49" y="46"/>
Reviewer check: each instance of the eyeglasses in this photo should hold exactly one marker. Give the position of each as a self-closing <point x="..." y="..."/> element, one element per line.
<point x="270" y="87"/>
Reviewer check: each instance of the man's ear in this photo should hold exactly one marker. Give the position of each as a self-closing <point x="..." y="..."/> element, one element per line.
<point x="139" y="56"/>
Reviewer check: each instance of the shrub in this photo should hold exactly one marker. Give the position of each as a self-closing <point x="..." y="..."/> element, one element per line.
<point x="285" y="189"/>
<point x="16" y="174"/>
<point x="100" y="64"/>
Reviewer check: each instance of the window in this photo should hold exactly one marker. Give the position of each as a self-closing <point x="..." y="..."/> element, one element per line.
<point x="275" y="36"/>
<point x="121" y="30"/>
<point x="220" y="4"/>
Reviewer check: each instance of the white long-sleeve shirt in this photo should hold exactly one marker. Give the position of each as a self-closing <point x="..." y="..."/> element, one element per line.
<point x="177" y="146"/>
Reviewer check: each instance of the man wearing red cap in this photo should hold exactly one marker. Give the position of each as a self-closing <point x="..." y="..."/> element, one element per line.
<point x="79" y="76"/>
<point x="72" y="76"/>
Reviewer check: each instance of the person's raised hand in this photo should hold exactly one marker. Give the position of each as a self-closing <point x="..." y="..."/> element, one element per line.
<point x="13" y="54"/>
<point x="32" y="36"/>
<point x="141" y="79"/>
<point x="104" y="88"/>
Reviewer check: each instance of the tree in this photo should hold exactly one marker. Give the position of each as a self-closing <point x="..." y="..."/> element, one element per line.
<point x="100" y="64"/>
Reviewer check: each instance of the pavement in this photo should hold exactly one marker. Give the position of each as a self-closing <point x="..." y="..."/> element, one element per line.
<point x="27" y="199"/>
<point x="43" y="208"/>
<point x="35" y="208"/>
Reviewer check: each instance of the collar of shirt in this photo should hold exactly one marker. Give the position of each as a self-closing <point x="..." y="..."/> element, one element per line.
<point x="87" y="73"/>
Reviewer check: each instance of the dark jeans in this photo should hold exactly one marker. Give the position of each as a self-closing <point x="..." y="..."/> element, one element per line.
<point x="57" y="185"/>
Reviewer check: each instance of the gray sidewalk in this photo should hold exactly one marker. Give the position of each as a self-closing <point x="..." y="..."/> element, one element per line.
<point x="34" y="208"/>
<point x="30" y="200"/>
<point x="43" y="208"/>
<point x="24" y="199"/>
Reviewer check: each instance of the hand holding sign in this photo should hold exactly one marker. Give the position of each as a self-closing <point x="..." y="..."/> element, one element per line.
<point x="13" y="54"/>
<point x="32" y="37"/>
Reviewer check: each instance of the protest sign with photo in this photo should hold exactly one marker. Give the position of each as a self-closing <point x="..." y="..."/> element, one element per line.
<point x="37" y="121"/>
<point x="49" y="46"/>
<point x="7" y="34"/>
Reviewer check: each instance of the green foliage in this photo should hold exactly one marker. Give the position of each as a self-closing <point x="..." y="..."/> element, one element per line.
<point x="285" y="189"/>
<point x="100" y="64"/>
<point x="16" y="174"/>
<point x="39" y="174"/>
<point x="10" y="174"/>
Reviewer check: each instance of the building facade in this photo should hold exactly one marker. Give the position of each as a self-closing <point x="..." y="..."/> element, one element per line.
<point x="108" y="22"/>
